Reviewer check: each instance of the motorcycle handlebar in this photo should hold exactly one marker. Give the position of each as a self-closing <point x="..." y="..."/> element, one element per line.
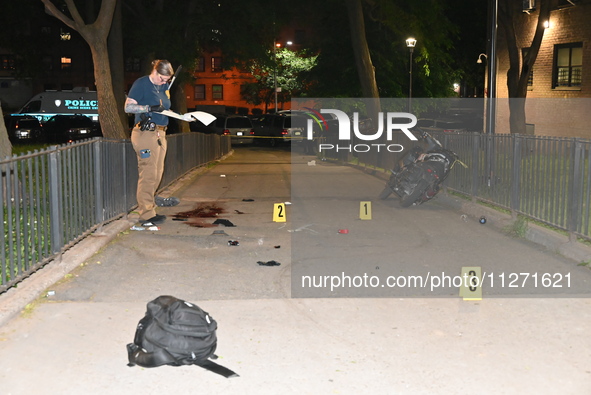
<point x="431" y="141"/>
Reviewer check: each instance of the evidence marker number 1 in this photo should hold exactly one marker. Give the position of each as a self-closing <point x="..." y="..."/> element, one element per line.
<point x="365" y="210"/>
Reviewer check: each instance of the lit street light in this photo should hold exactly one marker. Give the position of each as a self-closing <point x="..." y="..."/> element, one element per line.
<point x="410" y="43"/>
<point x="479" y="61"/>
<point x="486" y="88"/>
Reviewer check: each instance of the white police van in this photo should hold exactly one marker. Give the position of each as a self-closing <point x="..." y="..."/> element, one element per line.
<point x="45" y="105"/>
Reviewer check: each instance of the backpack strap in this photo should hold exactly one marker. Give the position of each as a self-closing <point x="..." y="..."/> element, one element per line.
<point x="219" y="369"/>
<point x="137" y="356"/>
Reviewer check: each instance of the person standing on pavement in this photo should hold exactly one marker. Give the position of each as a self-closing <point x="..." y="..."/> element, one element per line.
<point x="147" y="98"/>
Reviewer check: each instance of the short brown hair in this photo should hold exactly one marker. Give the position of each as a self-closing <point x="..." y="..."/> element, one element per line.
<point x="163" y="67"/>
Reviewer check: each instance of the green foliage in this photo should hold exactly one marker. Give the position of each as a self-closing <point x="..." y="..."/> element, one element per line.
<point x="290" y="70"/>
<point x="388" y="23"/>
<point x="519" y="227"/>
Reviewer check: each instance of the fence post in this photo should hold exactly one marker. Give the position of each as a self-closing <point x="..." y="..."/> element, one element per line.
<point x="55" y="206"/>
<point x="126" y="170"/>
<point x="99" y="209"/>
<point x="575" y="190"/>
<point x="475" y="165"/>
<point x="515" y="175"/>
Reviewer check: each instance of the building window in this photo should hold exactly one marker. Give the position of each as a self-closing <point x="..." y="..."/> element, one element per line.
<point x="217" y="92"/>
<point x="200" y="66"/>
<point x="65" y="36"/>
<point x="568" y="65"/>
<point x="199" y="92"/>
<point x="7" y="62"/>
<point x="216" y="63"/>
<point x="133" y="65"/>
<point x="66" y="63"/>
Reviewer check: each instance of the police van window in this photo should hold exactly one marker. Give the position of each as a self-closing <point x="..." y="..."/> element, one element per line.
<point x="34" y="106"/>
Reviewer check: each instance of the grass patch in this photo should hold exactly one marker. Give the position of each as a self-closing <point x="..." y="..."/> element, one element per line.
<point x="21" y="149"/>
<point x="518" y="228"/>
<point x="459" y="195"/>
<point x="29" y="309"/>
<point x="494" y="207"/>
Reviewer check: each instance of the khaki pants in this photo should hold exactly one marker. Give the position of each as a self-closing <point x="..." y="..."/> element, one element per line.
<point x="150" y="158"/>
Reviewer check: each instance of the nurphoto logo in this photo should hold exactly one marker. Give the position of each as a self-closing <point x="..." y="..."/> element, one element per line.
<point x="388" y="122"/>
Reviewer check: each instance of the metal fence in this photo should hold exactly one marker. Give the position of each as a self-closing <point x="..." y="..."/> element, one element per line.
<point x="545" y="179"/>
<point x="53" y="198"/>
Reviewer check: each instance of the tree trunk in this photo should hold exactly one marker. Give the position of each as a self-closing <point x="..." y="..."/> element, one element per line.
<point x="109" y="117"/>
<point x="365" y="69"/>
<point x="115" y="47"/>
<point x="5" y="145"/>
<point x="520" y="67"/>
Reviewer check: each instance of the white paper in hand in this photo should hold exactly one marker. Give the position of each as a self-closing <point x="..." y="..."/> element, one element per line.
<point x="201" y="116"/>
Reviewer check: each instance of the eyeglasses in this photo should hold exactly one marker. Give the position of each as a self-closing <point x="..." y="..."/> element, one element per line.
<point x="162" y="79"/>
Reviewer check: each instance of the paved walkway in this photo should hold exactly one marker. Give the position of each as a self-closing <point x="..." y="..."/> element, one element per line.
<point x="282" y="338"/>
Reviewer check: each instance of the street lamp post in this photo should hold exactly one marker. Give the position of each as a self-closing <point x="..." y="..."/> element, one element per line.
<point x="275" y="87"/>
<point x="479" y="61"/>
<point x="486" y="88"/>
<point x="410" y="43"/>
<point x="275" y="46"/>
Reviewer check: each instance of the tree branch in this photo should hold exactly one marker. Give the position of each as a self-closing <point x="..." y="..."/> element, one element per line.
<point x="74" y="12"/>
<point x="105" y="17"/>
<point x="51" y="9"/>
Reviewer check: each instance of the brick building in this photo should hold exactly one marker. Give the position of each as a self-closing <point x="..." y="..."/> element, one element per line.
<point x="217" y="89"/>
<point x="559" y="91"/>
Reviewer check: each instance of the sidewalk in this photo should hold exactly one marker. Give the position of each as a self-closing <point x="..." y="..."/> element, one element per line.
<point x="73" y="341"/>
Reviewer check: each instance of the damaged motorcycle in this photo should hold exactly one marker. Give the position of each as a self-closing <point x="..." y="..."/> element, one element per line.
<point x="421" y="171"/>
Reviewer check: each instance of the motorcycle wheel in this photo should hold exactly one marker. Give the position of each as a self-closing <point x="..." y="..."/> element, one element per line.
<point x="419" y="189"/>
<point x="386" y="192"/>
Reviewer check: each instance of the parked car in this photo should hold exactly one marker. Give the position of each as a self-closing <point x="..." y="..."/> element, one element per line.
<point x="23" y="129"/>
<point x="68" y="128"/>
<point x="238" y="127"/>
<point x="441" y="125"/>
<point x="284" y="126"/>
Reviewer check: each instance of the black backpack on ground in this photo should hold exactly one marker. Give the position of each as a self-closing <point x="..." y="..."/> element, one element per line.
<point x="174" y="332"/>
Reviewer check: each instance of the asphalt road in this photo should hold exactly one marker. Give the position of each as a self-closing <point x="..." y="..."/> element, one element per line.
<point x="349" y="312"/>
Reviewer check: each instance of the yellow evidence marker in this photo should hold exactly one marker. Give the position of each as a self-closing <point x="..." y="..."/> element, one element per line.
<point x="471" y="288"/>
<point x="279" y="212"/>
<point x="365" y="210"/>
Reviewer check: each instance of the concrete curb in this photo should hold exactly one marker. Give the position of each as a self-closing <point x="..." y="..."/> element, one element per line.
<point x="551" y="240"/>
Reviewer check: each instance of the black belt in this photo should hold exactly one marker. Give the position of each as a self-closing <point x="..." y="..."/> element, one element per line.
<point x="153" y="127"/>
